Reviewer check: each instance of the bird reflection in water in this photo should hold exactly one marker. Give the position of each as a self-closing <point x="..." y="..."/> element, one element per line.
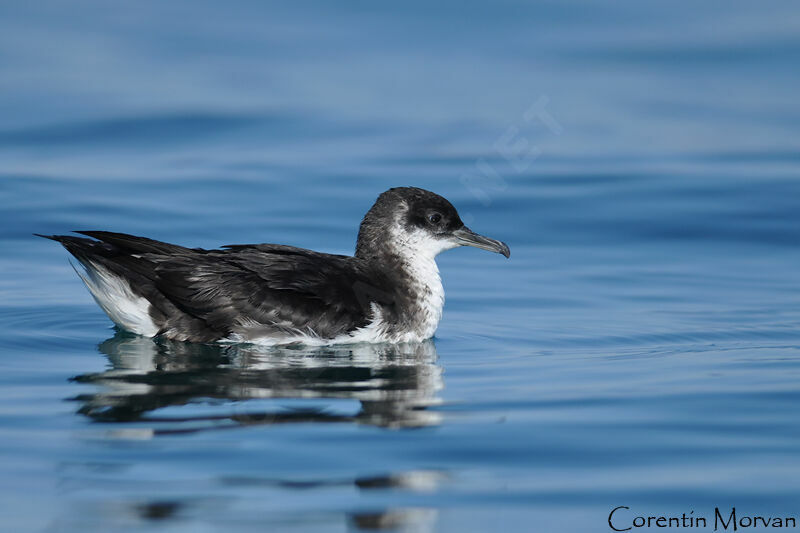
<point x="395" y="385"/>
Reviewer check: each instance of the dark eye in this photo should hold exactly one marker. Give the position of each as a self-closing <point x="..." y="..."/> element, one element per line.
<point x="434" y="218"/>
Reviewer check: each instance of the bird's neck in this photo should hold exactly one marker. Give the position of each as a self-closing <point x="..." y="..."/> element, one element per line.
<point x="419" y="294"/>
<point x="427" y="293"/>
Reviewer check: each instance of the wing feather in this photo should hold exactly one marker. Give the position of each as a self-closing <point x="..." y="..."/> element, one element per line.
<point x="268" y="290"/>
<point x="247" y="291"/>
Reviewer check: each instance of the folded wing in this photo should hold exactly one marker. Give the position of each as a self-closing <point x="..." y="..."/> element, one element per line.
<point x="241" y="293"/>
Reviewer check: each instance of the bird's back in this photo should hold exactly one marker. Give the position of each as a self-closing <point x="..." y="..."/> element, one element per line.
<point x="245" y="293"/>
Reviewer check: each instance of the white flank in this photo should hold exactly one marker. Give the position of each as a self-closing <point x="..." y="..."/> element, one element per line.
<point x="126" y="309"/>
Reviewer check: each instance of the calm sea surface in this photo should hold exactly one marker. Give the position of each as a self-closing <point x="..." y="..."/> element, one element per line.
<point x="640" y="348"/>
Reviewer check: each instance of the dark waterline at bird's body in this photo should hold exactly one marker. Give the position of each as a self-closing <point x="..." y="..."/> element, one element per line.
<point x="390" y="291"/>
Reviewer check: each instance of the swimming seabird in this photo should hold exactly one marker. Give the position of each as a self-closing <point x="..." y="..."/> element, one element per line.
<point x="390" y="291"/>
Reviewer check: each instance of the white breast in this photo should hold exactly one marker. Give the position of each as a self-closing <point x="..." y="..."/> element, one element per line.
<point x="417" y="250"/>
<point x="427" y="284"/>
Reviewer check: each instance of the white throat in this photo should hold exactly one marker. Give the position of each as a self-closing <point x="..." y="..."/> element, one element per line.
<point x="417" y="251"/>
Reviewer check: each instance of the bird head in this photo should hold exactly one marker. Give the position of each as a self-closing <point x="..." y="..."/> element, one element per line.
<point x="417" y="221"/>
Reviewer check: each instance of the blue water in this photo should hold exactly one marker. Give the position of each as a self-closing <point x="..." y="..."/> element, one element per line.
<point x="640" y="348"/>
